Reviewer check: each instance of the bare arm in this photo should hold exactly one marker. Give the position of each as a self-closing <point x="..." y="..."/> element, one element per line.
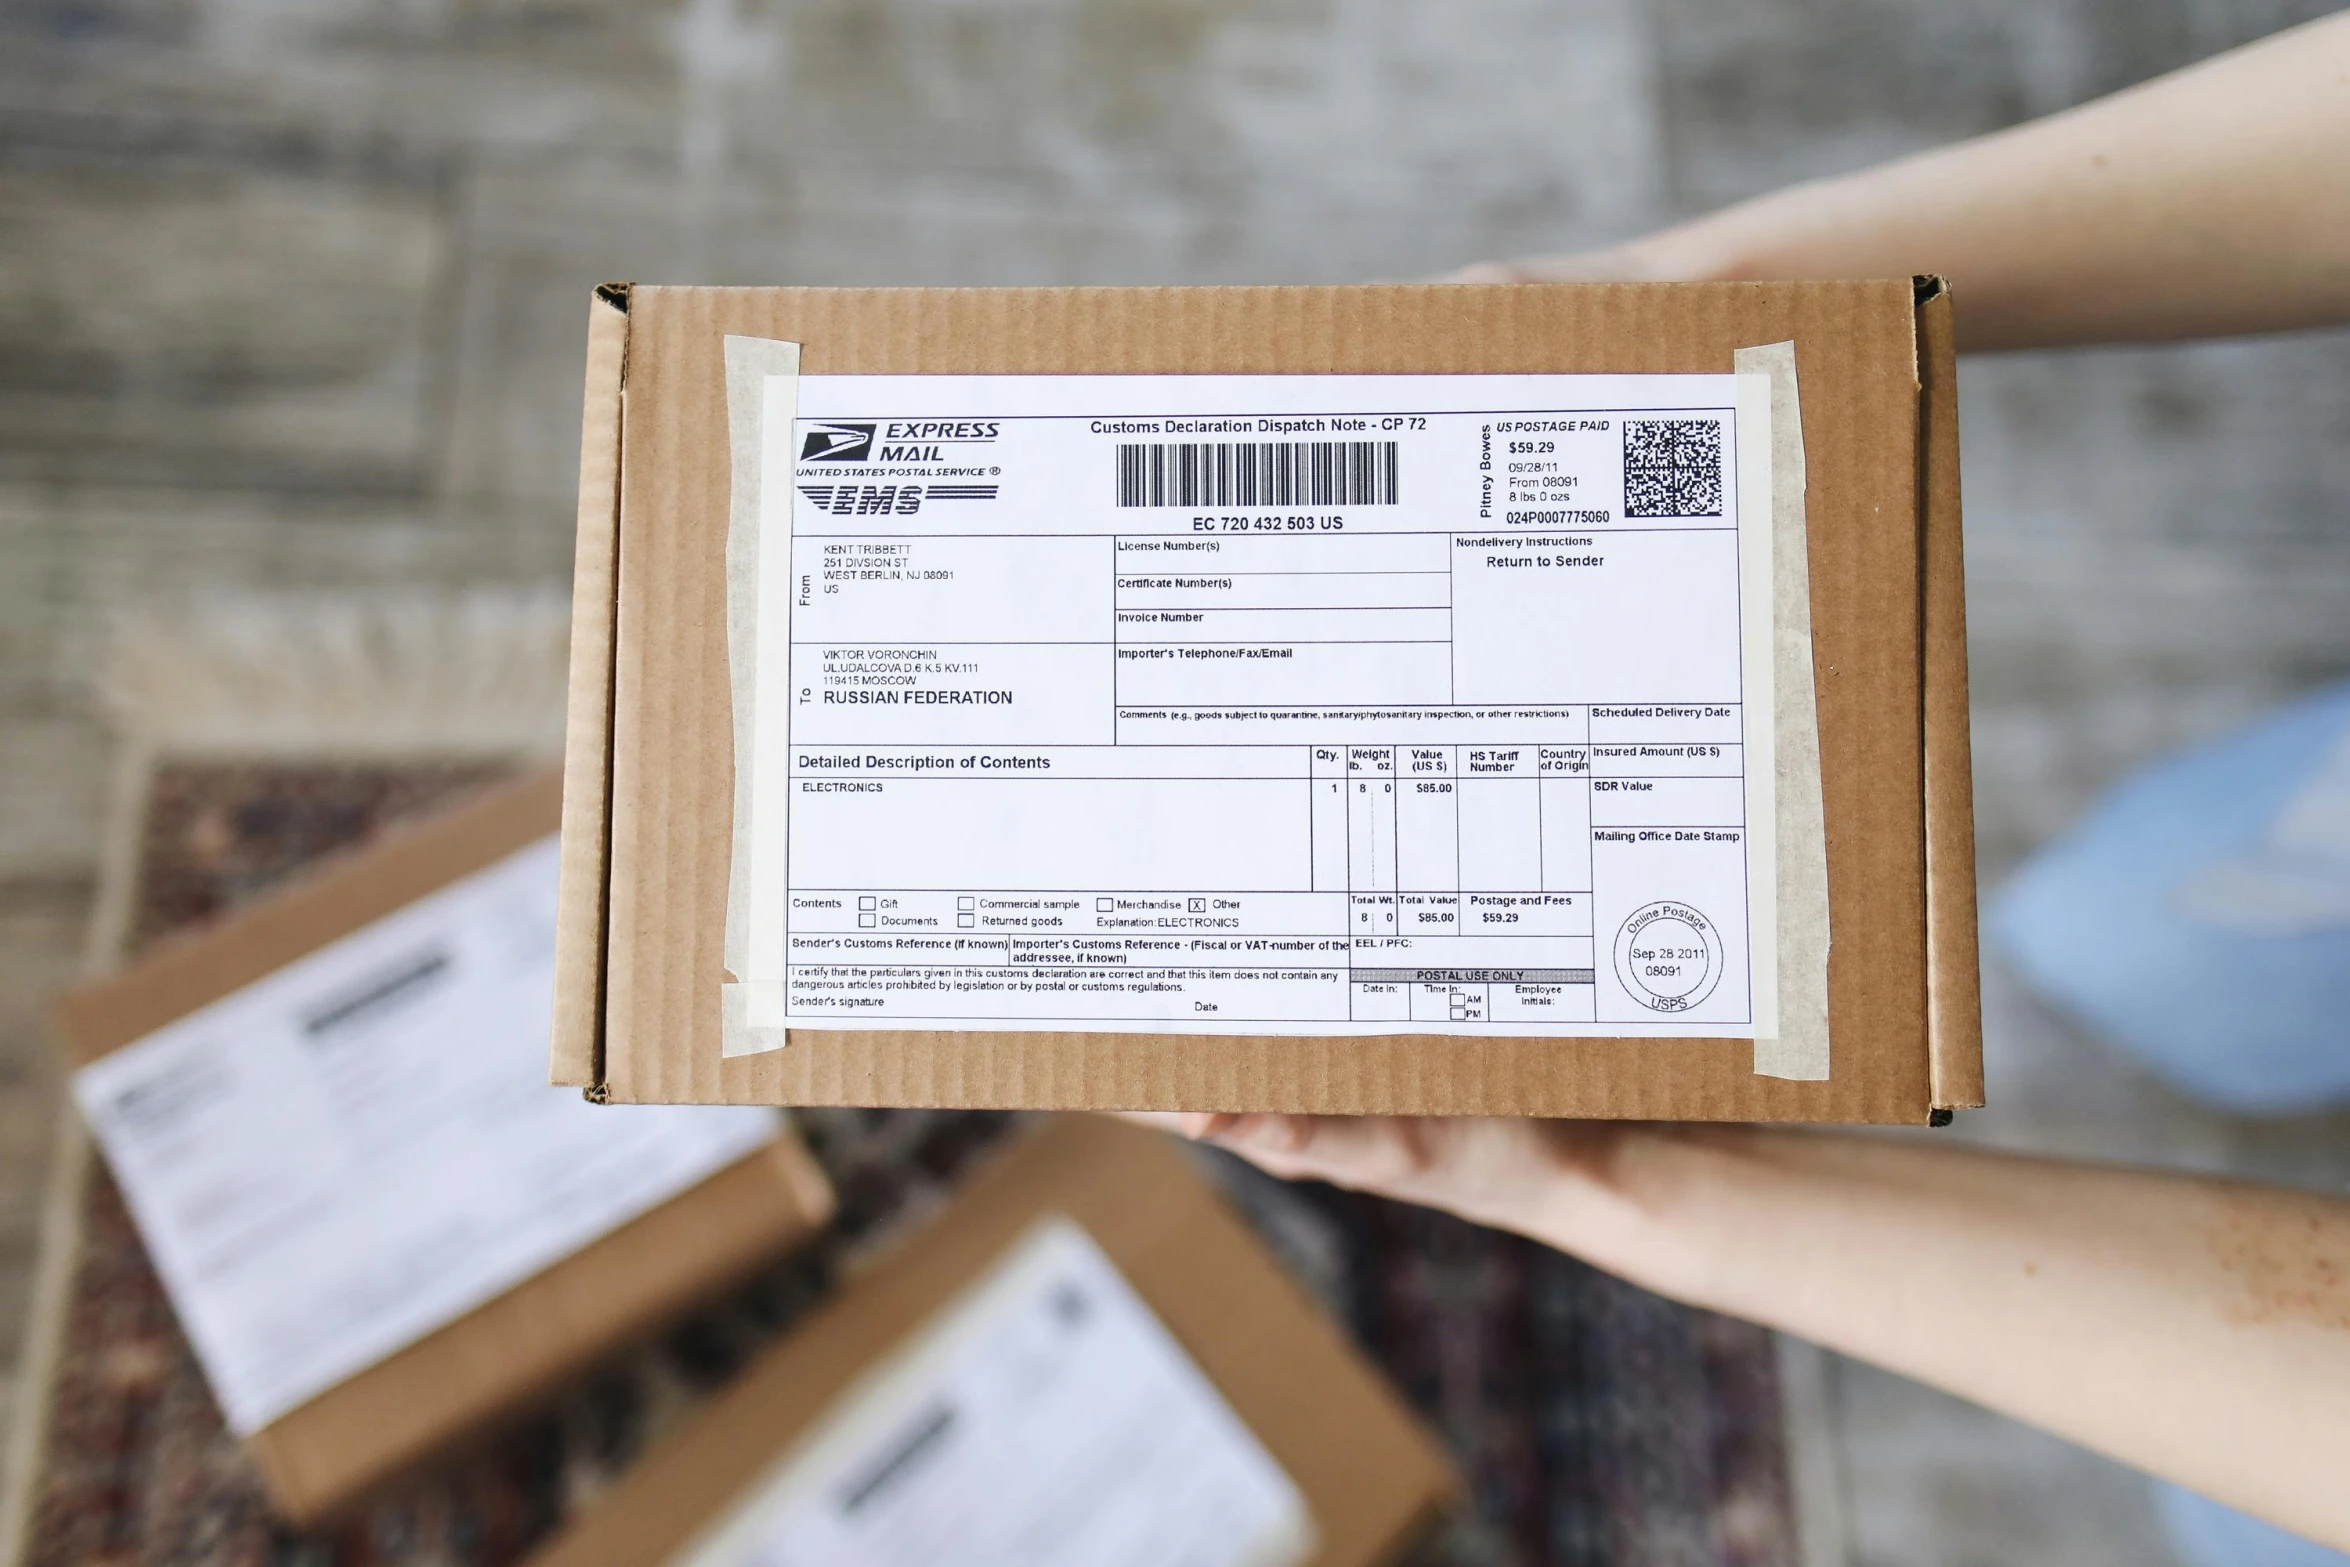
<point x="2209" y="202"/>
<point x="2196" y="1328"/>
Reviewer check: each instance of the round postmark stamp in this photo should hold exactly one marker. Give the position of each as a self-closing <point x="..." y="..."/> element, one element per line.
<point x="1668" y="956"/>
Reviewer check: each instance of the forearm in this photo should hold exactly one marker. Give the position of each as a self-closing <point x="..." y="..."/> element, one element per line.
<point x="2205" y="203"/>
<point x="2195" y="1328"/>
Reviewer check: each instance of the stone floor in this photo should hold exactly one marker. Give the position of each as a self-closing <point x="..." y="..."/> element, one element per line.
<point x="295" y="294"/>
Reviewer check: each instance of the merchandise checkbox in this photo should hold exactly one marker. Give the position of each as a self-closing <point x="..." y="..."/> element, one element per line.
<point x="864" y="903"/>
<point x="1104" y="905"/>
<point x="1199" y="905"/>
<point x="966" y="921"/>
<point x="866" y="921"/>
<point x="966" y="905"/>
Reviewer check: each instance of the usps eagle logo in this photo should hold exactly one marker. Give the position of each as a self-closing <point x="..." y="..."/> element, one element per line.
<point x="838" y="443"/>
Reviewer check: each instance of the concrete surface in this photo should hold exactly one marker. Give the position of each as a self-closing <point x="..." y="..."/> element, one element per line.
<point x="295" y="290"/>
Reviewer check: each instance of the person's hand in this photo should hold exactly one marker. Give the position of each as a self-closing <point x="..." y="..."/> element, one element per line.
<point x="1493" y="1170"/>
<point x="1569" y="1184"/>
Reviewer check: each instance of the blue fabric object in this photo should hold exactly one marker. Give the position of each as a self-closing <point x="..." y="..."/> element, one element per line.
<point x="2200" y="917"/>
<point x="2210" y="1535"/>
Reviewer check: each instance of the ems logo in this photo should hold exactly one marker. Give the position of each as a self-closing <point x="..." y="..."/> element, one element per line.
<point x="838" y="443"/>
<point x="865" y="500"/>
<point x="888" y="500"/>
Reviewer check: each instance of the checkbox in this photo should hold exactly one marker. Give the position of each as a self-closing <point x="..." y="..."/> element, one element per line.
<point x="966" y="905"/>
<point x="1460" y="1014"/>
<point x="864" y="903"/>
<point x="966" y="921"/>
<point x="866" y="921"/>
<point x="1104" y="905"/>
<point x="1199" y="905"/>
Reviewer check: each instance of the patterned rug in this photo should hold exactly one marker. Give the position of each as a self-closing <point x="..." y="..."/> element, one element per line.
<point x="1599" y="1424"/>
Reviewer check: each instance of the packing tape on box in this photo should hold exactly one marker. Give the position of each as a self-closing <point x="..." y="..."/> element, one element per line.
<point x="1789" y="932"/>
<point x="1798" y="1046"/>
<point x="762" y="387"/>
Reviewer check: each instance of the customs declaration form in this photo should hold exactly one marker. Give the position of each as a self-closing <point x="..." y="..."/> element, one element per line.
<point x="1276" y="704"/>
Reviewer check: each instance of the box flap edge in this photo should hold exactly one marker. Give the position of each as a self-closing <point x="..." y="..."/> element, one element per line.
<point x="576" y="1044"/>
<point x="1954" y="1010"/>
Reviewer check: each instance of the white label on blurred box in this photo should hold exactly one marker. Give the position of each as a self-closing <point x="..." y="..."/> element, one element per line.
<point x="359" y="1149"/>
<point x="1045" y="1419"/>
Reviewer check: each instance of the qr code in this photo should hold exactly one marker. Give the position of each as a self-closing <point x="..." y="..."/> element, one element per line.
<point x="1672" y="467"/>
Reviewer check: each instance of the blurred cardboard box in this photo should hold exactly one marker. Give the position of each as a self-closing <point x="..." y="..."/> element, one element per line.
<point x="1529" y="699"/>
<point x="378" y="1224"/>
<point x="1085" y="1359"/>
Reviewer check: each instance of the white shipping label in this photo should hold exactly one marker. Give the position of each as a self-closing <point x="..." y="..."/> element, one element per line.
<point x="1047" y="1419"/>
<point x="1273" y="704"/>
<point x="360" y="1148"/>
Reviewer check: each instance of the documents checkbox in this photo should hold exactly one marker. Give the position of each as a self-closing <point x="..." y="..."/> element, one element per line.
<point x="866" y="921"/>
<point x="966" y="905"/>
<point x="864" y="903"/>
<point x="966" y="921"/>
<point x="1104" y="905"/>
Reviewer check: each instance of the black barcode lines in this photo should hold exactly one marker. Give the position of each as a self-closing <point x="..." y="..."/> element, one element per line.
<point x="1258" y="473"/>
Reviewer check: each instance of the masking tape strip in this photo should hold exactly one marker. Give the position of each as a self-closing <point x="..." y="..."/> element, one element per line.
<point x="1796" y="1045"/>
<point x="762" y="406"/>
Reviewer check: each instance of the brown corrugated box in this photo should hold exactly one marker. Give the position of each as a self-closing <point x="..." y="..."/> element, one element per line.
<point x="650" y="749"/>
<point x="1370" y="1476"/>
<point x="328" y="1451"/>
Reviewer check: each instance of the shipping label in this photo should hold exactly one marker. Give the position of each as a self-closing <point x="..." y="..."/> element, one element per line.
<point x="1275" y="704"/>
<point x="1045" y="1419"/>
<point x="337" y="1160"/>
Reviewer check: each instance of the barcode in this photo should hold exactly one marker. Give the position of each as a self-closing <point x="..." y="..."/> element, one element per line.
<point x="1257" y="473"/>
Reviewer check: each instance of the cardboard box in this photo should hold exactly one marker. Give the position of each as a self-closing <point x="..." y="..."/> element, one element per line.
<point x="519" y="1341"/>
<point x="1875" y="1014"/>
<point x="1369" y="1476"/>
